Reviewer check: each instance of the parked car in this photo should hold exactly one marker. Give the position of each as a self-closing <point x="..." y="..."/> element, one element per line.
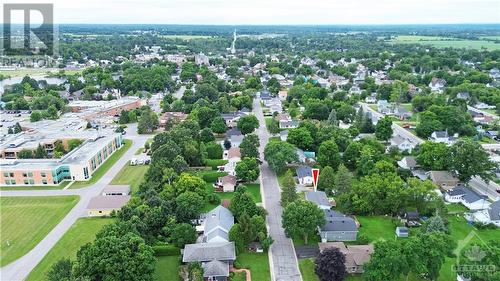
<point x="133" y="161"/>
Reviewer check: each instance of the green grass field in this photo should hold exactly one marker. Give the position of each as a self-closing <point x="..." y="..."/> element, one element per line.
<point x="445" y="42"/>
<point x="34" y="71"/>
<point x="257" y="263"/>
<point x="104" y="167"/>
<point x="167" y="268"/>
<point x="131" y="175"/>
<point x="26" y="221"/>
<point x="35" y="187"/>
<point x="80" y="233"/>
<point x="376" y="228"/>
<point x="306" y="267"/>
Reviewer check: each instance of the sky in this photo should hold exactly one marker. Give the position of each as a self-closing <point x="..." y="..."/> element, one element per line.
<point x="263" y="12"/>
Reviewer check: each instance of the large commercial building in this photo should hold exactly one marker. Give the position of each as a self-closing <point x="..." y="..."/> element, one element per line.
<point x="79" y="164"/>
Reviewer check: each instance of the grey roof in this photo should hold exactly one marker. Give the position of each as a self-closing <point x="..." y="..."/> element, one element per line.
<point x="284" y="133"/>
<point x="402" y="229"/>
<point x="468" y="195"/>
<point x="219" y="218"/>
<point x="411" y="161"/>
<point x="441" y="134"/>
<point x="117" y="189"/>
<point x="233" y="132"/>
<point x="494" y="211"/>
<point x="236" y="138"/>
<point x="336" y="221"/>
<point x="442" y="176"/>
<point x="317" y="197"/>
<point x="217" y="233"/>
<point x="108" y="202"/>
<point x="303" y="171"/>
<point x="204" y="252"/>
<point x="215" y="268"/>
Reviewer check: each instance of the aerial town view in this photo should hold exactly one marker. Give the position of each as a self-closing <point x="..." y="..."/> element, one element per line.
<point x="218" y="140"/>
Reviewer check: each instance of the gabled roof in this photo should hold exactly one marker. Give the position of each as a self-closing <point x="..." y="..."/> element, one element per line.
<point x="494" y="211"/>
<point x="215" y="268"/>
<point x="108" y="202"/>
<point x="219" y="218"/>
<point x="233" y="132"/>
<point x="336" y="221"/>
<point x="204" y="252"/>
<point x="317" y="197"/>
<point x="441" y="134"/>
<point x="303" y="171"/>
<point x="468" y="195"/>
<point x="234" y="152"/>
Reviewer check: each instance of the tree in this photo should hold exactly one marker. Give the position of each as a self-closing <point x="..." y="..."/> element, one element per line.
<point x="434" y="156"/>
<point x="188" y="205"/>
<point x="332" y="118"/>
<point x="35" y="116"/>
<point x="25" y="154"/>
<point x="343" y="180"/>
<point x="249" y="146"/>
<point x="148" y="122"/>
<point x="40" y="152"/>
<point x="383" y="129"/>
<point x="469" y="159"/>
<point x="326" y="179"/>
<point x="206" y="135"/>
<point x="435" y="224"/>
<point x="100" y="259"/>
<point x="300" y="137"/>
<point x="302" y="218"/>
<point x="278" y="154"/>
<point x="247" y="169"/>
<point x="236" y="237"/>
<point x="187" y="182"/>
<point x="183" y="234"/>
<point x="242" y="202"/>
<point x="61" y="271"/>
<point x="329" y="265"/>
<point x="289" y="191"/>
<point x="386" y="262"/>
<point x="214" y="150"/>
<point x="124" y="117"/>
<point x="247" y="124"/>
<point x="17" y="128"/>
<point x="329" y="155"/>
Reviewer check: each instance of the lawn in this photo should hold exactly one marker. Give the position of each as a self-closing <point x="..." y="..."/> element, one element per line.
<point x="26" y="221"/>
<point x="35" y="187"/>
<point x="377" y="227"/>
<point x="131" y="175"/>
<point x="97" y="175"/>
<point x="80" y="233"/>
<point x="34" y="71"/>
<point x="167" y="268"/>
<point x="306" y="267"/>
<point x="257" y="263"/>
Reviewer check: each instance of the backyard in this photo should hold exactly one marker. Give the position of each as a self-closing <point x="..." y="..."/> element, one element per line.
<point x="27" y="220"/>
<point x="80" y="233"/>
<point x="257" y="263"/>
<point x="167" y="268"/>
<point x="130" y="175"/>
<point x="97" y="175"/>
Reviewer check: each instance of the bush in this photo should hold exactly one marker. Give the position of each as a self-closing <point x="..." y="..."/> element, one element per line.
<point x="166" y="250"/>
<point x="213" y="198"/>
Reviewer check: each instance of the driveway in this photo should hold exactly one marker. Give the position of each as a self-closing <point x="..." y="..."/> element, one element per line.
<point x="20" y="268"/>
<point x="282" y="258"/>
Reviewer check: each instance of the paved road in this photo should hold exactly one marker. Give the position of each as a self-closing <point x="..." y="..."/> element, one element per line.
<point x="485" y="113"/>
<point x="282" y="258"/>
<point x="179" y="93"/>
<point x="19" y="269"/>
<point x="487" y="189"/>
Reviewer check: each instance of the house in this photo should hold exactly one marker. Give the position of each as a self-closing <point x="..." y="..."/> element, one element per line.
<point x="443" y="137"/>
<point x="172" y="117"/>
<point x="408" y="163"/>
<point x="491" y="134"/>
<point x="355" y="255"/>
<point x="225" y="184"/>
<point x="306" y="156"/>
<point x="215" y="258"/>
<point x="231" y="119"/>
<point x="282" y="95"/>
<point x="467" y="197"/>
<point x="100" y="206"/>
<point x="463" y="96"/>
<point x="490" y="215"/>
<point x="116" y="190"/>
<point x="482" y="105"/>
<point x="495" y="73"/>
<point x="371" y="99"/>
<point x="443" y="179"/>
<point x="437" y="85"/>
<point x="384" y="107"/>
<point x="288" y="124"/>
<point x="265" y="96"/>
<point x="233" y="155"/>
<point x="304" y="175"/>
<point x="236" y="140"/>
<point x="338" y="227"/>
<point x="233" y="132"/>
<point x="402" y="232"/>
<point x="217" y="224"/>
<point x="319" y="198"/>
<point x="402" y="113"/>
<point x="411" y="218"/>
<point x="403" y="144"/>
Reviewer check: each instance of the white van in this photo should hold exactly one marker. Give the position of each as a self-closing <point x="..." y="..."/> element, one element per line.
<point x="133" y="161"/>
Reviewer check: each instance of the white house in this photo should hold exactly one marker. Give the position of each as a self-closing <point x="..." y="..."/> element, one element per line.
<point x="466" y="197"/>
<point x="443" y="137"/>
<point x="437" y="85"/>
<point x="217" y="225"/>
<point x="403" y="144"/>
<point x="233" y="156"/>
<point x="408" y="163"/>
<point x="304" y="175"/>
<point x="491" y="215"/>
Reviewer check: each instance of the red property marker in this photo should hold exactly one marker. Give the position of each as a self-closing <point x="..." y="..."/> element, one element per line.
<point x="315" y="173"/>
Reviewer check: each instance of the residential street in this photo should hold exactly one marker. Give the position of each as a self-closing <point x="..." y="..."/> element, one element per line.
<point x="282" y="258"/>
<point x="19" y="269"/>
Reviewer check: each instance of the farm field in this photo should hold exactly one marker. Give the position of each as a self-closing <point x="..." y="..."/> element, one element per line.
<point x="27" y="220"/>
<point x="445" y="42"/>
